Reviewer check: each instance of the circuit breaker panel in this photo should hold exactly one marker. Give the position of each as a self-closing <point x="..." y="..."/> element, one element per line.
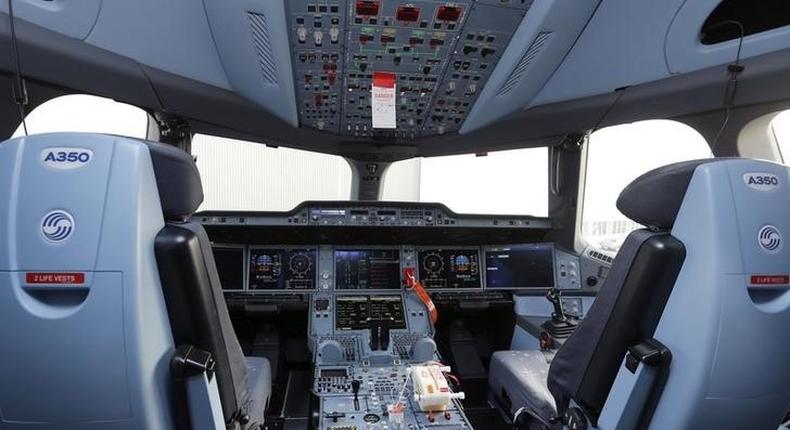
<point x="440" y="52"/>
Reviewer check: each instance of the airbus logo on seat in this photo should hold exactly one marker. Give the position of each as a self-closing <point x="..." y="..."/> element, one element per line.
<point x="761" y="181"/>
<point x="770" y="239"/>
<point x="66" y="158"/>
<point x="57" y="226"/>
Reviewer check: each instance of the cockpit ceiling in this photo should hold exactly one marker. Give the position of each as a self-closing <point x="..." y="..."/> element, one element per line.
<point x="470" y="75"/>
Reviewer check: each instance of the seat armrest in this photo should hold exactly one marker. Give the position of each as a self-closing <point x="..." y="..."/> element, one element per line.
<point x="650" y="353"/>
<point x="637" y="387"/>
<point x="193" y="369"/>
<point x="189" y="361"/>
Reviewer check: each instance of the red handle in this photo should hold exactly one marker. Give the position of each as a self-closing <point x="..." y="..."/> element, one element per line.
<point x="415" y="285"/>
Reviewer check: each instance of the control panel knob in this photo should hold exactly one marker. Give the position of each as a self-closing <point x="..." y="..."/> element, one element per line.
<point x="424" y="349"/>
<point x="330" y="352"/>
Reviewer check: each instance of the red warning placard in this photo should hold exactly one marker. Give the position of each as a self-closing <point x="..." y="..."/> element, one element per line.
<point x="54" y="278"/>
<point x="383" y="100"/>
<point x="769" y="279"/>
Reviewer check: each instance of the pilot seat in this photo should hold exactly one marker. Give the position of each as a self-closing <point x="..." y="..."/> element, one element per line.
<point x="113" y="315"/>
<point x="689" y="329"/>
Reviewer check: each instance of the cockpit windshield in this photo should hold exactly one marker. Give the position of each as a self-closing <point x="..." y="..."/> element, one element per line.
<point x="245" y="176"/>
<point x="240" y="175"/>
<point x="513" y="182"/>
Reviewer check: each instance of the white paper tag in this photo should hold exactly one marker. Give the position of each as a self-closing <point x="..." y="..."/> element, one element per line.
<point x="383" y="100"/>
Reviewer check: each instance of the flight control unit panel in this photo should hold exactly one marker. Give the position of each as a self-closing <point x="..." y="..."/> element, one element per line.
<point x="440" y="54"/>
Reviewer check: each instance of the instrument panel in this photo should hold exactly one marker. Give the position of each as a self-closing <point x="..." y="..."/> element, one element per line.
<point x="367" y="269"/>
<point x="356" y="312"/>
<point x="271" y="269"/>
<point x="281" y="268"/>
<point x="449" y="268"/>
<point x="513" y="266"/>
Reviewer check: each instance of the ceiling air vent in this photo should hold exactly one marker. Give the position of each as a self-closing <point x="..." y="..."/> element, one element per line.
<point x="525" y="62"/>
<point x="263" y="47"/>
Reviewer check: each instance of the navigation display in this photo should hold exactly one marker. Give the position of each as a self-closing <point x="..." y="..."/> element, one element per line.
<point x="449" y="268"/>
<point x="230" y="266"/>
<point x="520" y="266"/>
<point x="358" y="312"/>
<point x="367" y="269"/>
<point x="282" y="269"/>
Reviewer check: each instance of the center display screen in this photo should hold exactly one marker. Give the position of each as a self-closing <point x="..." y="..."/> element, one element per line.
<point x="367" y="269"/>
<point x="282" y="269"/>
<point x="360" y="312"/>
<point x="449" y="268"/>
<point x="520" y="266"/>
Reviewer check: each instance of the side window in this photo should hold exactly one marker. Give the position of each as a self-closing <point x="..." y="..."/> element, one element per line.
<point x="617" y="155"/>
<point x="85" y="113"/>
<point x="781" y="129"/>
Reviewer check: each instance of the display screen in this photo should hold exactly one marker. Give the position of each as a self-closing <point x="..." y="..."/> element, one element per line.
<point x="282" y="269"/>
<point x="367" y="269"/>
<point x="358" y="312"/>
<point x="334" y="373"/>
<point x="230" y="267"/>
<point x="449" y="268"/>
<point x="520" y="266"/>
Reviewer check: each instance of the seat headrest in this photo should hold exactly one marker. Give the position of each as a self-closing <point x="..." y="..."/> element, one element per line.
<point x="654" y="198"/>
<point x="178" y="180"/>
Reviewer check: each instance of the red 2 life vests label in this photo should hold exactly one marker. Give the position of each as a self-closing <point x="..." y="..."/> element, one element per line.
<point x="769" y="279"/>
<point x="54" y="278"/>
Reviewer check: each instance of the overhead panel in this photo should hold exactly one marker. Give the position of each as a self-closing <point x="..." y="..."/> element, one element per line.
<point x="480" y="46"/>
<point x="316" y="34"/>
<point x="441" y="53"/>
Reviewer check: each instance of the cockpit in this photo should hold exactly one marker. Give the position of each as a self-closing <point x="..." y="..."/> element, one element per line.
<point x="394" y="215"/>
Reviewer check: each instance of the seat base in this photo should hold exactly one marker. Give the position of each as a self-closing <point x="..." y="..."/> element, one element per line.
<point x="518" y="380"/>
<point x="259" y="387"/>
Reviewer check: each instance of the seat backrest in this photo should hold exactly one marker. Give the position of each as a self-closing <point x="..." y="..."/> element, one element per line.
<point x="727" y="319"/>
<point x="625" y="311"/>
<point x="190" y="282"/>
<point x="198" y="313"/>
<point x="100" y="278"/>
<point x="699" y="213"/>
<point x="85" y="336"/>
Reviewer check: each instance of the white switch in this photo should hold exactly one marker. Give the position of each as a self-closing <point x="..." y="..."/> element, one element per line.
<point x="301" y="34"/>
<point x="334" y="34"/>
